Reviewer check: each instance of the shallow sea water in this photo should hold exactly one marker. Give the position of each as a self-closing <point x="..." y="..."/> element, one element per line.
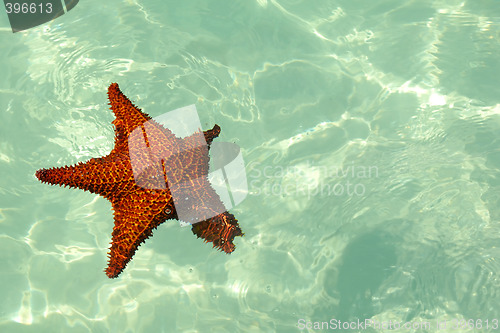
<point x="370" y="132"/>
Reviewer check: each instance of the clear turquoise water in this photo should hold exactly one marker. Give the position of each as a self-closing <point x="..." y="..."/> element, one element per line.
<point x="371" y="136"/>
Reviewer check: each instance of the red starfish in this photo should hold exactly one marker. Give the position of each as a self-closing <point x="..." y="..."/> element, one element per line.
<point x="141" y="203"/>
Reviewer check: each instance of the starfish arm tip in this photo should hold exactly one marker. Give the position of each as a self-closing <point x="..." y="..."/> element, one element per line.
<point x="219" y="230"/>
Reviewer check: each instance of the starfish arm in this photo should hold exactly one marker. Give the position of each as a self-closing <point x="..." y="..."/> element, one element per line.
<point x="135" y="219"/>
<point x="102" y="176"/>
<point x="220" y="230"/>
<point x="128" y="116"/>
<point x="203" y="198"/>
<point x="210" y="135"/>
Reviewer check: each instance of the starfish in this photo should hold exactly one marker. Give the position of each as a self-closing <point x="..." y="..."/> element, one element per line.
<point x="139" y="182"/>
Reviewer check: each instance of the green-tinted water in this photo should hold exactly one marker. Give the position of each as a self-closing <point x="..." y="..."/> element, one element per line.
<point x="370" y="130"/>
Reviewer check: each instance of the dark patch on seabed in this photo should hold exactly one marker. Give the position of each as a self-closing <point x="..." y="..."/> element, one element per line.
<point x="366" y="262"/>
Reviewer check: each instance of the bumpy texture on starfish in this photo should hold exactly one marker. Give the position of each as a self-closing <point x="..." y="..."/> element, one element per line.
<point x="139" y="209"/>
